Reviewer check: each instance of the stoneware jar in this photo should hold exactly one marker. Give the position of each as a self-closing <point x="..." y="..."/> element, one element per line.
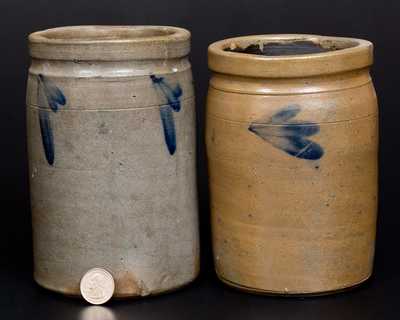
<point x="111" y="135"/>
<point x="292" y="138"/>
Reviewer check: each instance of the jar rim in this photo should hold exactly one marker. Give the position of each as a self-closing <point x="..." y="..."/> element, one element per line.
<point x="110" y="43"/>
<point x="289" y="55"/>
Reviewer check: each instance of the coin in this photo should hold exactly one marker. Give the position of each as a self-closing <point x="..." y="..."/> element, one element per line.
<point x="97" y="286"/>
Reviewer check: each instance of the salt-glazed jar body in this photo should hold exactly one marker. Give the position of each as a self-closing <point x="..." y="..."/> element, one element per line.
<point x="111" y="136"/>
<point x="292" y="141"/>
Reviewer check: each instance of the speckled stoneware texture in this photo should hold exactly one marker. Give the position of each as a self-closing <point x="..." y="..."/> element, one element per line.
<point x="292" y="141"/>
<point x="111" y="136"/>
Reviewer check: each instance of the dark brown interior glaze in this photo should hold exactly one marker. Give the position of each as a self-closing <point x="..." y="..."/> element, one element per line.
<point x="288" y="48"/>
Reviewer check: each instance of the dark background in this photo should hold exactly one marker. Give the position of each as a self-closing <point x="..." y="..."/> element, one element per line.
<point x="377" y="21"/>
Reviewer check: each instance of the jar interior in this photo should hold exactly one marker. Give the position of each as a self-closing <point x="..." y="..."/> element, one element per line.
<point x="104" y="33"/>
<point x="289" y="47"/>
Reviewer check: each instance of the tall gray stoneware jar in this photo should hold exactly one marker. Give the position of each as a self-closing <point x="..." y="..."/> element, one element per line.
<point x="111" y="136"/>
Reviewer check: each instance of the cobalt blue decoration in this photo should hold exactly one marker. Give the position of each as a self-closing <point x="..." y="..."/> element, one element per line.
<point x="54" y="95"/>
<point x="47" y="136"/>
<point x="168" y="123"/>
<point x="290" y="135"/>
<point x="54" y="98"/>
<point x="174" y="104"/>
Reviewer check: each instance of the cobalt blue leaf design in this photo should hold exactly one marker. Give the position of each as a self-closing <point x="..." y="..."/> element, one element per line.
<point x="172" y="96"/>
<point x="47" y="136"/>
<point x="54" y="95"/>
<point x="54" y="99"/>
<point x="285" y="114"/>
<point x="289" y="135"/>
<point x="167" y="119"/>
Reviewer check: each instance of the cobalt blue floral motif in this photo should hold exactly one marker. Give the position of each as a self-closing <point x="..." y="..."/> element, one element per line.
<point x="54" y="99"/>
<point x="47" y="136"/>
<point x="290" y="135"/>
<point x="174" y="104"/>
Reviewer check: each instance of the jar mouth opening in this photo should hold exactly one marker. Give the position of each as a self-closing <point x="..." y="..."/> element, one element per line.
<point x="288" y="47"/>
<point x="289" y="55"/>
<point x="110" y="43"/>
<point x="104" y="34"/>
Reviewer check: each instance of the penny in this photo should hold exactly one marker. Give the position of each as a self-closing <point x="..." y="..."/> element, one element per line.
<point x="97" y="286"/>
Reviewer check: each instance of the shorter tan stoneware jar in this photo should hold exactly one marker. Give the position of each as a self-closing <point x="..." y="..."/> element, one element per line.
<point x="292" y="141"/>
<point x="111" y="137"/>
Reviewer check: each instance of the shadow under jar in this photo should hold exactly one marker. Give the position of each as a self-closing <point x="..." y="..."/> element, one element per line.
<point x="292" y="141"/>
<point x="111" y="136"/>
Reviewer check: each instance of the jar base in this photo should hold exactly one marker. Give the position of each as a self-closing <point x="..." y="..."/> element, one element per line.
<point x="291" y="294"/>
<point x="75" y="293"/>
